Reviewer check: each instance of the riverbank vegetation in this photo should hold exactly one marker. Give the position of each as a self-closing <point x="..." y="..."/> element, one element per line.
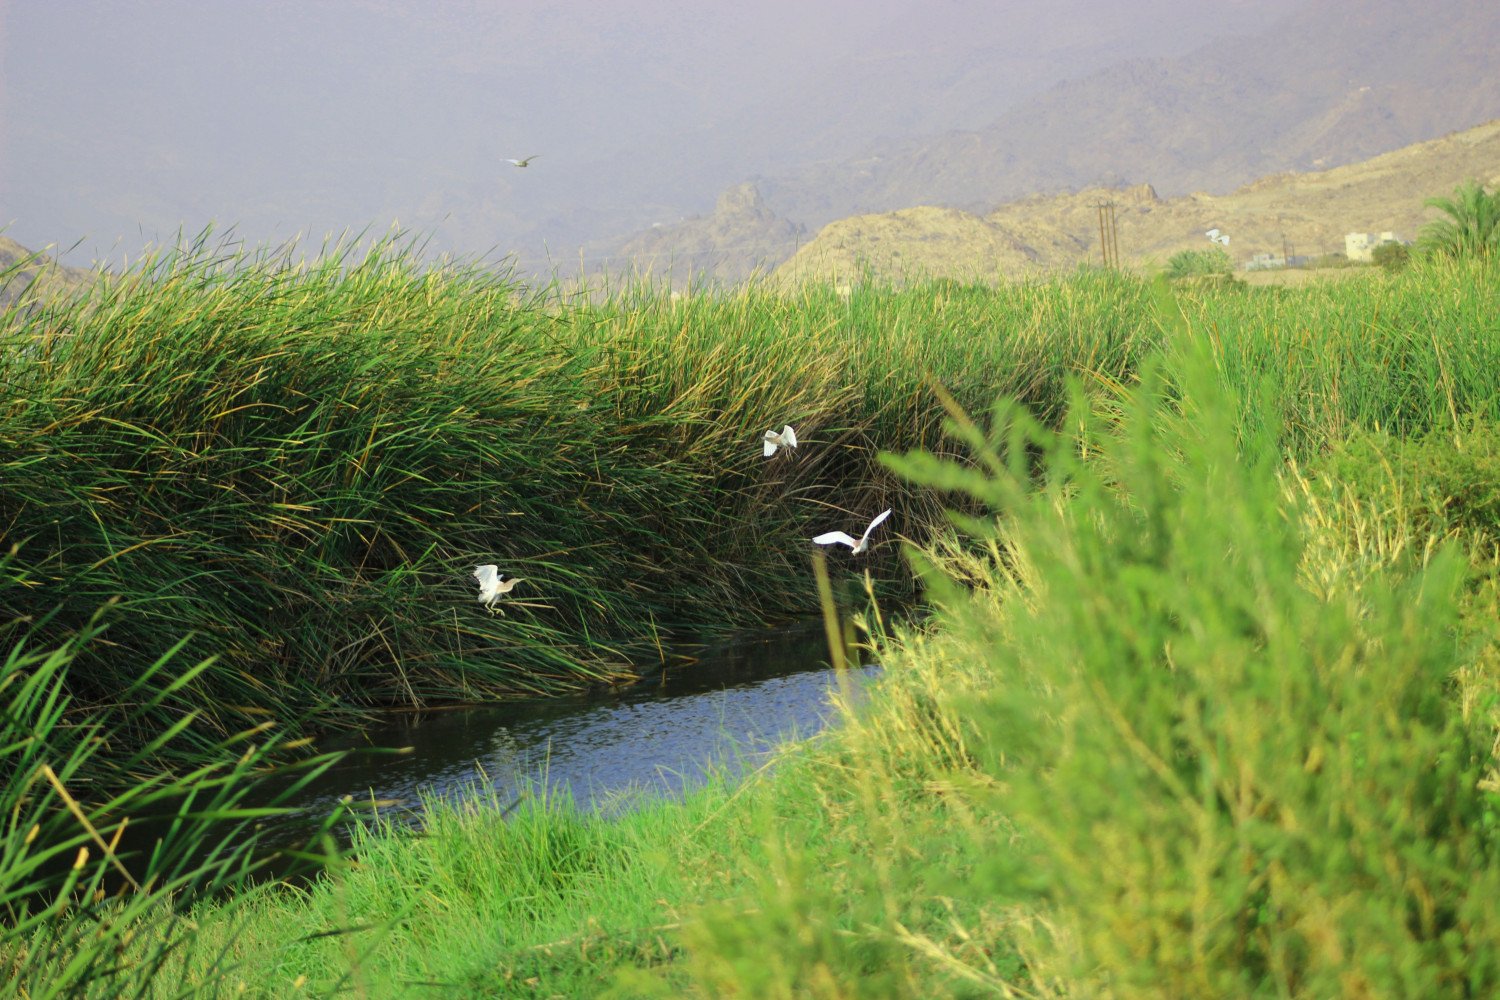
<point x="294" y="468"/>
<point x="1206" y="706"/>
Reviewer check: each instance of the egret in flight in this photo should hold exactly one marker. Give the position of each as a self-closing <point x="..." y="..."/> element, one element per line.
<point x="786" y="439"/>
<point x="522" y="163"/>
<point x="1218" y="237"/>
<point x="828" y="538"/>
<point x="490" y="585"/>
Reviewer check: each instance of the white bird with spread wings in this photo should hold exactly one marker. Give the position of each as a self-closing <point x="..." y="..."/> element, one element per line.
<point x="772" y="440"/>
<point x="491" y="586"/>
<point x="832" y="537"/>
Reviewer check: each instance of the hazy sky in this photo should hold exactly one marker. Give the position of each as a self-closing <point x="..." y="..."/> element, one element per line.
<point x="122" y="122"/>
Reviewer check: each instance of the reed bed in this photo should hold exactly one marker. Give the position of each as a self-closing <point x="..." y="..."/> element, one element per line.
<point x="1402" y="354"/>
<point x="1200" y="712"/>
<point x="292" y="467"/>
<point x="1207" y="705"/>
<point x="100" y="847"/>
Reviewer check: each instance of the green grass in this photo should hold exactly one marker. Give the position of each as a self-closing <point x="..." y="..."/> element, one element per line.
<point x="1405" y="354"/>
<point x="1207" y="704"/>
<point x="293" y="468"/>
<point x="91" y="870"/>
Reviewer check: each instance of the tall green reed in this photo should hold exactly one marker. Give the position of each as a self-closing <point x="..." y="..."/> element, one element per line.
<point x="101" y="850"/>
<point x="1223" y="782"/>
<point x="296" y="463"/>
<point x="1401" y="354"/>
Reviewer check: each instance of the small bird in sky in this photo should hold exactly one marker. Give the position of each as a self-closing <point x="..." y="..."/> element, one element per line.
<point x="522" y="163"/>
<point x="1218" y="237"/>
<point x="829" y="538"/>
<point x="772" y="440"/>
<point x="490" y="585"/>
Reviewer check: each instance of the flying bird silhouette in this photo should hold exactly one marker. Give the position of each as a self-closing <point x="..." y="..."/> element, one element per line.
<point x="522" y="163"/>
<point x="830" y="537"/>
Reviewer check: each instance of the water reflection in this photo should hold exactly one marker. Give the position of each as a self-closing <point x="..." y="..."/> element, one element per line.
<point x="740" y="699"/>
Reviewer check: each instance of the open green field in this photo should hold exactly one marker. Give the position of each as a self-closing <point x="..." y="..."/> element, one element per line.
<point x="1205" y="703"/>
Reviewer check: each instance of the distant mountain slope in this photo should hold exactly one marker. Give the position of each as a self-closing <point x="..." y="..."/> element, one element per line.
<point x="729" y="244"/>
<point x="333" y="117"/>
<point x="1335" y="82"/>
<point x="1305" y="213"/>
<point x="21" y="268"/>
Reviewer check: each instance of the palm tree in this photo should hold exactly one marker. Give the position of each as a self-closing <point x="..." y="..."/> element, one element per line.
<point x="1472" y="226"/>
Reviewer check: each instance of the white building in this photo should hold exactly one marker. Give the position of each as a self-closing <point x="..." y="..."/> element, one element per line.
<point x="1361" y="246"/>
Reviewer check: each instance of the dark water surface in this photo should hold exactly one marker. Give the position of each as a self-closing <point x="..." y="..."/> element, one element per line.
<point x="741" y="698"/>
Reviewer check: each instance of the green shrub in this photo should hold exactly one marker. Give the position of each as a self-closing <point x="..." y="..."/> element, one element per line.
<point x="1391" y="256"/>
<point x="1444" y="482"/>
<point x="1189" y="263"/>
<point x="1223" y="784"/>
<point x="1471" y="226"/>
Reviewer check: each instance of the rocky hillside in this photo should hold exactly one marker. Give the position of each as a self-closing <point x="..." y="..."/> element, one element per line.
<point x="25" y="274"/>
<point x="1335" y="82"/>
<point x="1303" y="213"/>
<point x="739" y="238"/>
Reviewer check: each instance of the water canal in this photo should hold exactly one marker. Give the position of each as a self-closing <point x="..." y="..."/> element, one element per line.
<point x="727" y="709"/>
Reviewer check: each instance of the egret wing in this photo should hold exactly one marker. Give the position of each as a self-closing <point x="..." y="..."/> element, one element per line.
<point x="789" y="436"/>
<point x="829" y="537"/>
<point x="873" y="525"/>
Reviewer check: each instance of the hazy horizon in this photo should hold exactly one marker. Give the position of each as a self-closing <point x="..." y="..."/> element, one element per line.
<point x="122" y="124"/>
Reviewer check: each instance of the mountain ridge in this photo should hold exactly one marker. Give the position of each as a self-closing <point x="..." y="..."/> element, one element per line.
<point x="1305" y="212"/>
<point x="1335" y="82"/>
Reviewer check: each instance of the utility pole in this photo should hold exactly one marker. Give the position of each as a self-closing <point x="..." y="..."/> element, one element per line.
<point x="1109" y="241"/>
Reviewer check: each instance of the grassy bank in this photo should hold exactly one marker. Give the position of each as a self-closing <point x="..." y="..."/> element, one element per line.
<point x="1208" y="709"/>
<point x="292" y="469"/>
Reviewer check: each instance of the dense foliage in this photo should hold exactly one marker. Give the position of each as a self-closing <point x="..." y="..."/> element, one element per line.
<point x="1207" y="705"/>
<point x="1471" y="223"/>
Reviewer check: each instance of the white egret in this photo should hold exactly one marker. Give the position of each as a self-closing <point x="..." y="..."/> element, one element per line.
<point x="828" y="538"/>
<point x="491" y="586"/>
<point x="786" y="439"/>
<point x="1218" y="237"/>
<point x="522" y="163"/>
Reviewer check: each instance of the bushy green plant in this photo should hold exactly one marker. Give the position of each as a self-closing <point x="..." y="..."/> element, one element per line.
<point x="1445" y="482"/>
<point x="1392" y="256"/>
<point x="1224" y="784"/>
<point x="1192" y="263"/>
<point x="1471" y="227"/>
